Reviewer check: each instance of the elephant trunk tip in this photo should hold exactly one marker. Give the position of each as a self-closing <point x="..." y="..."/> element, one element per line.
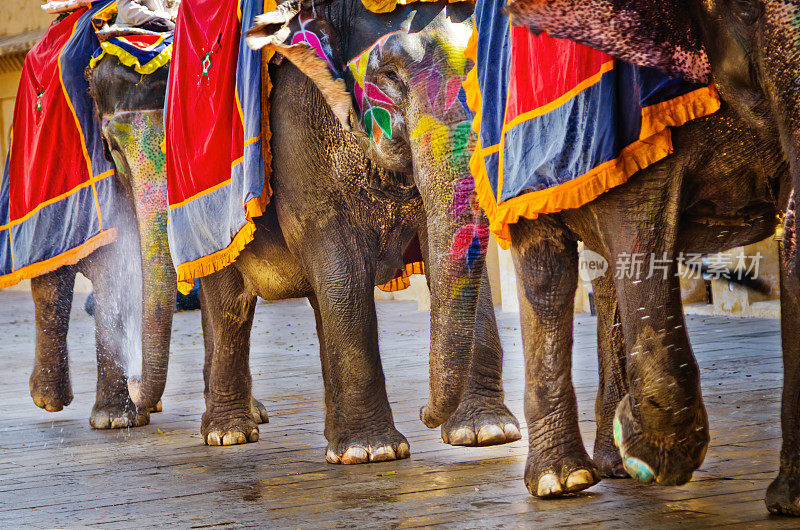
<point x="431" y="418"/>
<point x="135" y="392"/>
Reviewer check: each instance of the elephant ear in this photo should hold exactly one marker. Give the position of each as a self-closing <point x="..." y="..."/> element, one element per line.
<point x="655" y="33"/>
<point x="308" y="41"/>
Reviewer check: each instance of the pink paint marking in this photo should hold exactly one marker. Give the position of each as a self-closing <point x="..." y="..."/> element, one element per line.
<point x="312" y="40"/>
<point x="452" y="90"/>
<point x="462" y="196"/>
<point x="469" y="243"/>
<point x="433" y="87"/>
<point x="376" y="94"/>
<point x="359" y="93"/>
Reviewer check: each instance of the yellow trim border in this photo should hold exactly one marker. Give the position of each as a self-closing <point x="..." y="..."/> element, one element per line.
<point x="402" y="282"/>
<point x="654" y="144"/>
<point x="187" y="272"/>
<point x="131" y="61"/>
<point x="70" y="257"/>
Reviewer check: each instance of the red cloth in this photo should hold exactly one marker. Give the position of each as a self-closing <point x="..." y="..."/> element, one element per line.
<point x="48" y="157"/>
<point x="544" y="69"/>
<point x="200" y="157"/>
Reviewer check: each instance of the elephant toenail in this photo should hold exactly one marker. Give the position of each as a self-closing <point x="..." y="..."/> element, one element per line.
<point x="617" y="433"/>
<point x="355" y="455"/>
<point x="233" y="438"/>
<point x="579" y="480"/>
<point x="253" y="437"/>
<point x="382" y="454"/>
<point x="331" y="457"/>
<point x="512" y="432"/>
<point x="490" y="434"/>
<point x="403" y="451"/>
<point x="213" y="439"/>
<point x="639" y="470"/>
<point x="549" y="486"/>
<point x="463" y="436"/>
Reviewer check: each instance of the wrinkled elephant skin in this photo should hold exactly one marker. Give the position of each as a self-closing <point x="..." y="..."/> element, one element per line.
<point x="736" y="168"/>
<point x="356" y="174"/>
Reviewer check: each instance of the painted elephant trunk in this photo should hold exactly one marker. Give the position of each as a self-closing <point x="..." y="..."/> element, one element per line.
<point x="136" y="148"/>
<point x="457" y="239"/>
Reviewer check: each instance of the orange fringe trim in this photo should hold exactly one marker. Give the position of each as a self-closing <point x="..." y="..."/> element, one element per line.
<point x="70" y="257"/>
<point x="189" y="271"/>
<point x="655" y="143"/>
<point x="402" y="282"/>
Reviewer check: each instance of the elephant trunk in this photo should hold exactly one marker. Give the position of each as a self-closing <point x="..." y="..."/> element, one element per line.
<point x="457" y="239"/>
<point x="136" y="138"/>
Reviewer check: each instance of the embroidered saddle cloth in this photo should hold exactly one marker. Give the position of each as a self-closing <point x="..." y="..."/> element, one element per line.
<point x="560" y="123"/>
<point x="57" y="197"/>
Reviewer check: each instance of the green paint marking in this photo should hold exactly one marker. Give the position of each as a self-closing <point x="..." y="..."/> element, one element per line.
<point x="383" y="119"/>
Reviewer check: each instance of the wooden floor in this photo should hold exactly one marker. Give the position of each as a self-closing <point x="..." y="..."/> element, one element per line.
<point x="55" y="471"/>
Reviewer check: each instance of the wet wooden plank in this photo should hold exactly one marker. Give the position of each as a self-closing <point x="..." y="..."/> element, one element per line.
<point x="56" y="471"/>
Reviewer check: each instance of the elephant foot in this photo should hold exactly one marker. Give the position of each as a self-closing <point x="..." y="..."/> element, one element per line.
<point x="607" y="459"/>
<point x="481" y="422"/>
<point x="783" y="495"/>
<point x="550" y="476"/>
<point x="158" y="407"/>
<point x="118" y="415"/>
<point x="232" y="426"/>
<point x="50" y="391"/>
<point x="667" y="458"/>
<point x="259" y="411"/>
<point x="364" y="447"/>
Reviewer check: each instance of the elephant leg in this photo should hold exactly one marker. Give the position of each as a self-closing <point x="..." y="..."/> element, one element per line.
<point x="358" y="420"/>
<point x="611" y="363"/>
<point x="783" y="495"/>
<point x="52" y="295"/>
<point x="113" y="306"/>
<point x="546" y="261"/>
<point x="660" y="426"/>
<point x="258" y="410"/>
<point x="228" y="419"/>
<point x="482" y="418"/>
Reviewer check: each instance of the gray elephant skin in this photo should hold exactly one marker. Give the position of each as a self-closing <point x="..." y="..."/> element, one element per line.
<point x="729" y="176"/>
<point x="343" y="209"/>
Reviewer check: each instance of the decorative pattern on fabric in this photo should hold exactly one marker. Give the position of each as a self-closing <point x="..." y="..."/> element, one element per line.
<point x="144" y="53"/>
<point x="560" y="123"/>
<point x="57" y="205"/>
<point x="215" y="163"/>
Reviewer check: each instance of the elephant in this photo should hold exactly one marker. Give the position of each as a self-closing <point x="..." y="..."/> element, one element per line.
<point x="129" y="110"/>
<point x="125" y="104"/>
<point x="730" y="174"/>
<point x="345" y="204"/>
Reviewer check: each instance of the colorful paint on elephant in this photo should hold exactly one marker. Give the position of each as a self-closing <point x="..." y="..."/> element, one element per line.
<point x="321" y="45"/>
<point x="439" y="75"/>
<point x="440" y="124"/>
<point x="138" y="136"/>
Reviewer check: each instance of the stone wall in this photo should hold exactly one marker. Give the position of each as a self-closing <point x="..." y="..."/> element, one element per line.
<point x="19" y="16"/>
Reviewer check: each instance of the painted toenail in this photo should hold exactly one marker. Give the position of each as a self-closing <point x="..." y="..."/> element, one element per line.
<point x="639" y="470"/>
